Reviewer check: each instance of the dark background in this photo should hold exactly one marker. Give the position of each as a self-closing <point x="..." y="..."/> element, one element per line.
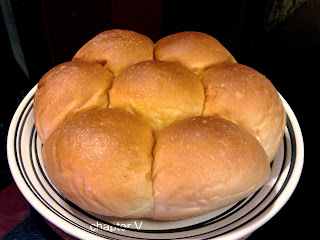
<point x="285" y="47"/>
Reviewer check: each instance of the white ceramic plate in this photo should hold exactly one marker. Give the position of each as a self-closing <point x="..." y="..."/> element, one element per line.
<point x="232" y="222"/>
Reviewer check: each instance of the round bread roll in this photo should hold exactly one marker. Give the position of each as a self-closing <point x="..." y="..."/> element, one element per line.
<point x="195" y="50"/>
<point x="202" y="164"/>
<point x="160" y="92"/>
<point x="242" y="95"/>
<point x="101" y="160"/>
<point x="66" y="89"/>
<point x="117" y="49"/>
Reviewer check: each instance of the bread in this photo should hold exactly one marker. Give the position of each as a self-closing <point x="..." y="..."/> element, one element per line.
<point x="195" y="50"/>
<point x="117" y="49"/>
<point x="160" y="92"/>
<point x="202" y="164"/>
<point x="242" y="95"/>
<point x="103" y="163"/>
<point x="66" y="89"/>
<point x="128" y="134"/>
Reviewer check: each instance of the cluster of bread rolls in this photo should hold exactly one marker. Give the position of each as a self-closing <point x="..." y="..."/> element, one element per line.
<point x="164" y="131"/>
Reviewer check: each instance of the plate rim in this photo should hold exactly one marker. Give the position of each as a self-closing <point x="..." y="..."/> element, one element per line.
<point x="277" y="204"/>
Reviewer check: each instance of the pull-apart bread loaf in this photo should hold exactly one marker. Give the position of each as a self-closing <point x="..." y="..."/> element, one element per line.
<point x="165" y="131"/>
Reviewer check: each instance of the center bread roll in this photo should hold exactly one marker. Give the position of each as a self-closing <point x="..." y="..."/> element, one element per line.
<point x="160" y="92"/>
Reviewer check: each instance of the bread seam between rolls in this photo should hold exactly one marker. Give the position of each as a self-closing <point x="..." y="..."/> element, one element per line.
<point x="152" y="167"/>
<point x="205" y="96"/>
<point x="108" y="90"/>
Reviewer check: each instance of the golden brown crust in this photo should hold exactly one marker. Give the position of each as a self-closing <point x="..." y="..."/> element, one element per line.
<point x="103" y="163"/>
<point x="187" y="133"/>
<point x="195" y="50"/>
<point x="242" y="95"/>
<point x="66" y="89"/>
<point x="117" y="49"/>
<point x="204" y="163"/>
<point x="160" y="92"/>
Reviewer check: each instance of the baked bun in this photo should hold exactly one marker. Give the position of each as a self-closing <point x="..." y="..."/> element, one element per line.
<point x="202" y="164"/>
<point x="160" y="92"/>
<point x="117" y="49"/>
<point x="103" y="163"/>
<point x="132" y="135"/>
<point x="66" y="89"/>
<point x="242" y="95"/>
<point x="195" y="50"/>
